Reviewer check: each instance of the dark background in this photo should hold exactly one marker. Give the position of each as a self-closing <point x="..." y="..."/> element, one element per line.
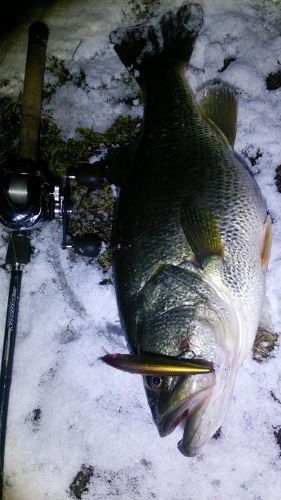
<point x="13" y="13"/>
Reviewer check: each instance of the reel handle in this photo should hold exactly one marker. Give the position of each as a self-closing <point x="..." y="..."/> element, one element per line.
<point x="87" y="175"/>
<point x="87" y="245"/>
<point x="32" y="93"/>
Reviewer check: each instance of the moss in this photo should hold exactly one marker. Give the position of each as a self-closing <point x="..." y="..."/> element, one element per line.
<point x="9" y="126"/>
<point x="4" y="83"/>
<point x="93" y="212"/>
<point x="253" y="157"/>
<point x="104" y="260"/>
<point x="278" y="178"/>
<point x="135" y="92"/>
<point x="59" y="75"/>
<point x="217" y="434"/>
<point x="57" y="68"/>
<point x="64" y="154"/>
<point x="227" y="61"/>
<point x="274" y="397"/>
<point x="123" y="130"/>
<point x="277" y="435"/>
<point x="106" y="281"/>
<point x="273" y="80"/>
<point x="80" y="483"/>
<point x="142" y="9"/>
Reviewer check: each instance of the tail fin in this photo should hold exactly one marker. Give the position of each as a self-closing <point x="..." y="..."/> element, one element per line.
<point x="171" y="40"/>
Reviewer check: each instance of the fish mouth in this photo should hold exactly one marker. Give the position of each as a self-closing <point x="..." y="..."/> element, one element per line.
<point x="191" y="441"/>
<point x="189" y="414"/>
<point x="171" y="422"/>
<point x="185" y="410"/>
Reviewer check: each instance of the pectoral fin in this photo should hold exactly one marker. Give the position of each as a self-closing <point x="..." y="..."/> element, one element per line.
<point x="266" y="243"/>
<point x="201" y="231"/>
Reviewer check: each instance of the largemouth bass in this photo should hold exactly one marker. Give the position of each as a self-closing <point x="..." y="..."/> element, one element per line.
<point x="192" y="234"/>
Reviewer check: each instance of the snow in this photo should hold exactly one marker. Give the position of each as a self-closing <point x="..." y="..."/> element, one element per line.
<point x="68" y="410"/>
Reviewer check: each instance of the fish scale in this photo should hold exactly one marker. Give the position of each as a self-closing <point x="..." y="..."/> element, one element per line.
<point x="170" y="291"/>
<point x="153" y="228"/>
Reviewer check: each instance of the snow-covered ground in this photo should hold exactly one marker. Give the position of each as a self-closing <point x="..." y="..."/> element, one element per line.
<point x="69" y="412"/>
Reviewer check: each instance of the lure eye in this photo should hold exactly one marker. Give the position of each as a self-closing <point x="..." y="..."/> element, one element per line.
<point x="154" y="382"/>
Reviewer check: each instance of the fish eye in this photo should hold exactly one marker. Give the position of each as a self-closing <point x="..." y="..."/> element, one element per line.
<point x="154" y="382"/>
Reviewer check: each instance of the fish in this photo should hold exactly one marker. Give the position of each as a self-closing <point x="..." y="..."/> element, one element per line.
<point x="192" y="233"/>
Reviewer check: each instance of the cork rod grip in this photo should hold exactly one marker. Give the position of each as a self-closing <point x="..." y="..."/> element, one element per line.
<point x="32" y="93"/>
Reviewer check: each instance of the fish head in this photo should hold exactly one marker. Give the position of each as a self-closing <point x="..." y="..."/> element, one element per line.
<point x="196" y="402"/>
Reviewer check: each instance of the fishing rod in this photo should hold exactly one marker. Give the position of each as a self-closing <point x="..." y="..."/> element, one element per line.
<point x="31" y="195"/>
<point x="18" y="254"/>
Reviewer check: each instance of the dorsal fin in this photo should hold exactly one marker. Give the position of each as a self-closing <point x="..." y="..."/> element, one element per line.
<point x="218" y="105"/>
